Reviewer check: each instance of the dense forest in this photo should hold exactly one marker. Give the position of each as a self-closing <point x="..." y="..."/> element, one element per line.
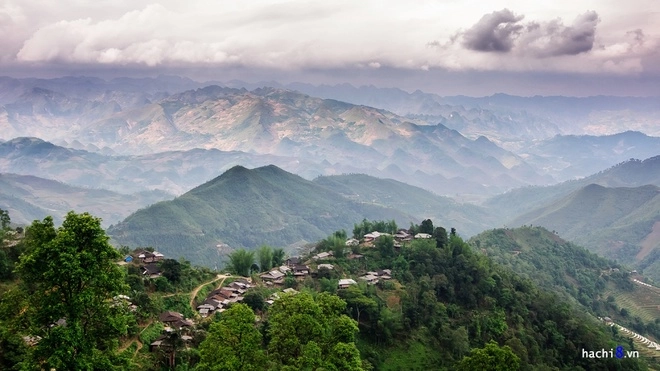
<point x="447" y="306"/>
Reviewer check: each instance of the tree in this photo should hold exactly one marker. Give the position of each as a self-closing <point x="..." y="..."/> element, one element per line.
<point x="72" y="278"/>
<point x="5" y="220"/>
<point x="440" y="235"/>
<point x="490" y="358"/>
<point x="240" y="262"/>
<point x="254" y="299"/>
<point x="278" y="257"/>
<point x="265" y="256"/>
<point x="312" y="332"/>
<point x="233" y="343"/>
<point x="385" y="244"/>
<point x="426" y="226"/>
<point x="171" y="270"/>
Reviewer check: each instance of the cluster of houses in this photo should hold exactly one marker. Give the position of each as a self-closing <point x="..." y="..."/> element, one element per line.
<point x="402" y="235"/>
<point x="174" y="322"/>
<point x="373" y="277"/>
<point x="293" y="266"/>
<point x="220" y="298"/>
<point x="148" y="261"/>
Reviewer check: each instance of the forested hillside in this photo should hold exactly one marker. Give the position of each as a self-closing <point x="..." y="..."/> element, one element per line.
<point x="444" y="307"/>
<point x="245" y="208"/>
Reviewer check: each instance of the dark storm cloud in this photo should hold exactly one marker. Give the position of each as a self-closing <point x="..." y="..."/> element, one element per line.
<point x="503" y="31"/>
<point x="552" y="38"/>
<point x="495" y="32"/>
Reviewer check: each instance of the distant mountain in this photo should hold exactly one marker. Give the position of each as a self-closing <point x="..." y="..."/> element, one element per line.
<point x="619" y="223"/>
<point x="272" y="122"/>
<point x="245" y="208"/>
<point x="571" y="156"/>
<point x="174" y="172"/>
<point x="467" y="218"/>
<point x="28" y="198"/>
<point x="631" y="173"/>
<point x="505" y="118"/>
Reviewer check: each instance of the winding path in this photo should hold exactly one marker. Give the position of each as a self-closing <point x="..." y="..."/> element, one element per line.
<point x="193" y="294"/>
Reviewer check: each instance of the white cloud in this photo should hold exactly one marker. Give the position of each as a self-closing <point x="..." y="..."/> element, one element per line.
<point x="290" y="35"/>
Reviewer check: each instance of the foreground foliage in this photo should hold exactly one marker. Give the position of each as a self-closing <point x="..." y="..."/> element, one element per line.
<point x="71" y="277"/>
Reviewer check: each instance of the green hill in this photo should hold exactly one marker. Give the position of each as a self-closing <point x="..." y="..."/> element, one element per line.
<point x="543" y="257"/>
<point x="245" y="208"/>
<point x="601" y="286"/>
<point x="614" y="222"/>
<point x="632" y="173"/>
<point x="412" y="200"/>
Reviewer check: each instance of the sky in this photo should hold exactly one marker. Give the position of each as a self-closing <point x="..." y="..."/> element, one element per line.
<point x="574" y="47"/>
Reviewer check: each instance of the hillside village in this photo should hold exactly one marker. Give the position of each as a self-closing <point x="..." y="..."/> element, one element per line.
<point x="377" y="274"/>
<point x="299" y="268"/>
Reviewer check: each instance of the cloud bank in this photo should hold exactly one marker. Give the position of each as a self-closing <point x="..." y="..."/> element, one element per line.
<point x="293" y="35"/>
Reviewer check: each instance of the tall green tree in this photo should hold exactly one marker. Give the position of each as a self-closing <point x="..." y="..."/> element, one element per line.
<point x="240" y="262"/>
<point x="440" y="235"/>
<point x="490" y="358"/>
<point x="5" y="220"/>
<point x="385" y="244"/>
<point x="265" y="256"/>
<point x="426" y="226"/>
<point x="171" y="270"/>
<point x="278" y="257"/>
<point x="312" y="332"/>
<point x="72" y="277"/>
<point x="233" y="343"/>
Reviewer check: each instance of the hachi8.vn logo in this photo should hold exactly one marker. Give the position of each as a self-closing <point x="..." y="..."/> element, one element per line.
<point x="617" y="352"/>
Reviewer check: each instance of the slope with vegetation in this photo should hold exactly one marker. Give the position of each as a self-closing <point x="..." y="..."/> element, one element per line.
<point x="602" y="287"/>
<point x="415" y="201"/>
<point x="617" y="223"/>
<point x="446" y="307"/>
<point x="244" y="208"/>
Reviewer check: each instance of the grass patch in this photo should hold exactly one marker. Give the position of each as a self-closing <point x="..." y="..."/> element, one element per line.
<point x="151" y="333"/>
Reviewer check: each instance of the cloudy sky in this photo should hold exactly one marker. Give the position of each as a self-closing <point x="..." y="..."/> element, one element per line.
<point x="572" y="47"/>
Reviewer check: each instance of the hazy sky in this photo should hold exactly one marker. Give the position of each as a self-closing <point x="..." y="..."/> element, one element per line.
<point x="451" y="47"/>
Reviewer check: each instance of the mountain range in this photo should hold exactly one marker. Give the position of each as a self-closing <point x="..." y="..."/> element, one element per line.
<point x="29" y="198"/>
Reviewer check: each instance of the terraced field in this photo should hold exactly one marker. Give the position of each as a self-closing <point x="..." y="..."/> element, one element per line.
<point x="643" y="301"/>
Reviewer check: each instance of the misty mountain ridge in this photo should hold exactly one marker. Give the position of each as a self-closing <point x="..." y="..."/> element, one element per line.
<point x="619" y="223"/>
<point x="29" y="198"/>
<point x="571" y="156"/>
<point x="280" y="122"/>
<point x="631" y="173"/>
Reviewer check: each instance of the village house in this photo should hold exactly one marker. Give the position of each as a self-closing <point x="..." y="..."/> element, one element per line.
<point x="370" y="278"/>
<point x="293" y="261"/>
<point x="323" y="255"/>
<point x="325" y="266"/>
<point x="403" y="235"/>
<point x="151" y="257"/>
<point x="346" y="282"/>
<point x="151" y="270"/>
<point x="354" y="256"/>
<point x="352" y="242"/>
<point x="300" y="271"/>
<point x="174" y="320"/>
<point x="273" y="276"/>
<point x="423" y="236"/>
